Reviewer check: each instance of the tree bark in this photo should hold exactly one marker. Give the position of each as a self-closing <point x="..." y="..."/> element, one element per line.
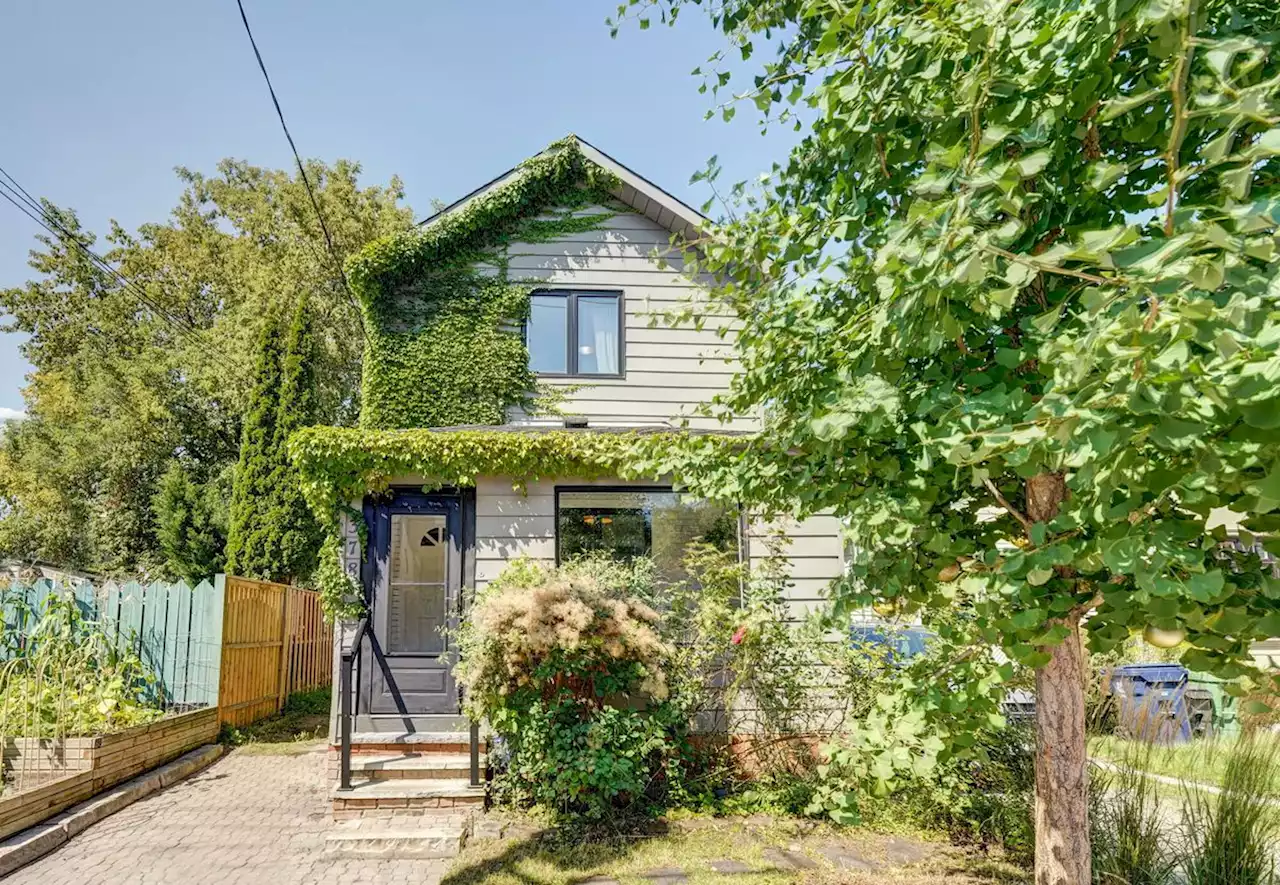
<point x="1062" y="780"/>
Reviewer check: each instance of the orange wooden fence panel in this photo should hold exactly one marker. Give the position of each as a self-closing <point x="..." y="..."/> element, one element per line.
<point x="274" y="642"/>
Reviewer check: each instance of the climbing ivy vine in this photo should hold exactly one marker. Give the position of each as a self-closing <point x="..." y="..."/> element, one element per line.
<point x="442" y="310"/>
<point x="338" y="464"/>
<point x="442" y="314"/>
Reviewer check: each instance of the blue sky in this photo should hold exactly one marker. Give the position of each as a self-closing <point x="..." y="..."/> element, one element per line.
<point x="105" y="99"/>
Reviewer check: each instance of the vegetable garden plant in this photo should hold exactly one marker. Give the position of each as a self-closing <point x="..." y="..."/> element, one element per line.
<point x="1012" y="305"/>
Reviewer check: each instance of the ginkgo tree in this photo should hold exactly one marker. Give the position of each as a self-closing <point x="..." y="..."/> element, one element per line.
<point x="1011" y="308"/>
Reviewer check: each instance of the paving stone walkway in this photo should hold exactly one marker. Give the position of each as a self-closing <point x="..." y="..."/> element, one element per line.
<point x="247" y="819"/>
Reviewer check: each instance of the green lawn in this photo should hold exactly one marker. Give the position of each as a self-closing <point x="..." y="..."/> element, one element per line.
<point x="692" y="845"/>
<point x="1200" y="761"/>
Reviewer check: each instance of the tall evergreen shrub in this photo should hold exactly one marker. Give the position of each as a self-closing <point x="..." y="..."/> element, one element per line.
<point x="191" y="524"/>
<point x="273" y="536"/>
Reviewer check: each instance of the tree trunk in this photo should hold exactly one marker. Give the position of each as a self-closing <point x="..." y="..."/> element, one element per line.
<point x="1062" y="780"/>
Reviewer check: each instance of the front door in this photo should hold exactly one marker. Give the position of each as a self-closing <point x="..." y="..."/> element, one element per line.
<point x="417" y="581"/>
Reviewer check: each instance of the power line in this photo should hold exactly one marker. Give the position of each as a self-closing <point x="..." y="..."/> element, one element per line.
<point x="47" y="219"/>
<point x="18" y="195"/>
<point x="302" y="170"/>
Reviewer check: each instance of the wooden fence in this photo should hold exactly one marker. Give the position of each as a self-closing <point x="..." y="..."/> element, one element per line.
<point x="239" y="644"/>
<point x="274" y="642"/>
<point x="174" y="628"/>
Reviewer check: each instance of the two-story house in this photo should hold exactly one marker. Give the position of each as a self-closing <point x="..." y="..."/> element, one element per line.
<point x="582" y="238"/>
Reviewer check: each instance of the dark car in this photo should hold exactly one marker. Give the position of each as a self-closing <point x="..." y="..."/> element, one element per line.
<point x="901" y="643"/>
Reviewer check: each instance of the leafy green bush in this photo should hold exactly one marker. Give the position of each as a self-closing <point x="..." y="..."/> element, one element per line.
<point x="66" y="677"/>
<point x="570" y="670"/>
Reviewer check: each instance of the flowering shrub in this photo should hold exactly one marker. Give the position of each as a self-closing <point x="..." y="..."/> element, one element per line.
<point x="571" y="670"/>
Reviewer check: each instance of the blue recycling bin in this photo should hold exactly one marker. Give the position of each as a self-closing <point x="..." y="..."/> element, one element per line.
<point x="1152" y="702"/>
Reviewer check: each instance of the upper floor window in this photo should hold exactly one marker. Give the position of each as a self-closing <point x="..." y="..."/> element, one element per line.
<point x="575" y="333"/>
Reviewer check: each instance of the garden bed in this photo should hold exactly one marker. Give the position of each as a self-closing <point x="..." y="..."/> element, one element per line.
<point x="92" y="764"/>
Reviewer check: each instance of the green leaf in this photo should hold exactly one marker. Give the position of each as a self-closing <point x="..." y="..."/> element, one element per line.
<point x="1038" y="576"/>
<point x="1207" y="586"/>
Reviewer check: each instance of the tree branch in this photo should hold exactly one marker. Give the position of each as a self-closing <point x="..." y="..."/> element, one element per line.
<point x="1063" y="271"/>
<point x="1013" y="511"/>
<point x="1178" y="96"/>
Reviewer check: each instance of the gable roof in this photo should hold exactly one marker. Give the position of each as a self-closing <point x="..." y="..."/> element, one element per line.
<point x="633" y="189"/>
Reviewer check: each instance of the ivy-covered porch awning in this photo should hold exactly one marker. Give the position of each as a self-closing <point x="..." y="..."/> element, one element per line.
<point x="341" y="464"/>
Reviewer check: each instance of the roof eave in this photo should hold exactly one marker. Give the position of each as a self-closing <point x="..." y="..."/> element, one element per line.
<point x="634" y="190"/>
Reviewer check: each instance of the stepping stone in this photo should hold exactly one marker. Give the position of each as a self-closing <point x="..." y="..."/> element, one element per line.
<point x="730" y="867"/>
<point x="903" y="851"/>
<point x="598" y="880"/>
<point x="487" y="830"/>
<point x="694" y="824"/>
<point x="788" y="860"/>
<point x="665" y="876"/>
<point x="844" y="859"/>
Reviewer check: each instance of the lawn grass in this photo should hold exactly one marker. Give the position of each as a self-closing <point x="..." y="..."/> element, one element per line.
<point x="691" y="845"/>
<point x="297" y="728"/>
<point x="1202" y="762"/>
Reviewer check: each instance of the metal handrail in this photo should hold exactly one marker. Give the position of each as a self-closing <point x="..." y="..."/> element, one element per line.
<point x="475" y="753"/>
<point x="349" y="656"/>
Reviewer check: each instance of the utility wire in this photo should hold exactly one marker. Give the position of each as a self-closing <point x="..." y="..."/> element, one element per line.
<point x="15" y="193"/>
<point x="48" y="221"/>
<point x="302" y="171"/>
<point x="94" y="333"/>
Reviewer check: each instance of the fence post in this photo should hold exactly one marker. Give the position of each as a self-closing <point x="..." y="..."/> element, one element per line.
<point x="220" y="606"/>
<point x="286" y="640"/>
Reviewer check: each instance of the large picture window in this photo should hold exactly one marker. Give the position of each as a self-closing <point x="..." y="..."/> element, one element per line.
<point x="627" y="523"/>
<point x="575" y="333"/>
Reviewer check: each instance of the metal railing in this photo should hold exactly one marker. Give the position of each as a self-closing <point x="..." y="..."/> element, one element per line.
<point x="350" y="654"/>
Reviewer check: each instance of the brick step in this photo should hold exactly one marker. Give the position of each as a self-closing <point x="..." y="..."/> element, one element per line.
<point x="427" y="836"/>
<point x="369" y="795"/>
<point x="415" y="742"/>
<point x="414" y="765"/>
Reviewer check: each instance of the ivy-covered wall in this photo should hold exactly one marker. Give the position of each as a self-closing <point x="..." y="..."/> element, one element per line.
<point x="442" y="312"/>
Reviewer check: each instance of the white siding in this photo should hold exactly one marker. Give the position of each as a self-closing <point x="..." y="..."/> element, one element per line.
<point x="510" y="524"/>
<point x="812" y="552"/>
<point x="667" y="371"/>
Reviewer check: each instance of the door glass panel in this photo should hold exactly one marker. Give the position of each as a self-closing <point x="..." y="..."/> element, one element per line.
<point x="418" y="599"/>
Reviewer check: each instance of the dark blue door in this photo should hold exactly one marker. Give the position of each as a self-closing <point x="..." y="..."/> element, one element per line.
<point x="416" y="584"/>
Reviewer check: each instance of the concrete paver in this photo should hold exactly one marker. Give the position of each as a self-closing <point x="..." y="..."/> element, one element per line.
<point x="247" y="819"/>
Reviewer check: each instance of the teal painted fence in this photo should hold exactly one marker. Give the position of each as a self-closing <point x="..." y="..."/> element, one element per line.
<point x="174" y="628"/>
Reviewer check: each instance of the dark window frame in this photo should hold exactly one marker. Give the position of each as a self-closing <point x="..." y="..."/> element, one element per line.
<point x="743" y="540"/>
<point x="578" y="489"/>
<point x="571" y="331"/>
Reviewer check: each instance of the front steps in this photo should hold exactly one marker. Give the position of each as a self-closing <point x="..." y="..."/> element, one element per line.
<point x="423" y="837"/>
<point x="410" y="796"/>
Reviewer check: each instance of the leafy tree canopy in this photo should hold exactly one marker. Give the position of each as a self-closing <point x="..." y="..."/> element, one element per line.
<point x="124" y="384"/>
<point x="1011" y="307"/>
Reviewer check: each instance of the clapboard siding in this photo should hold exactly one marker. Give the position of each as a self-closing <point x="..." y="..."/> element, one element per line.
<point x="668" y="370"/>
<point x="812" y="554"/>
<point x="511" y="523"/>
